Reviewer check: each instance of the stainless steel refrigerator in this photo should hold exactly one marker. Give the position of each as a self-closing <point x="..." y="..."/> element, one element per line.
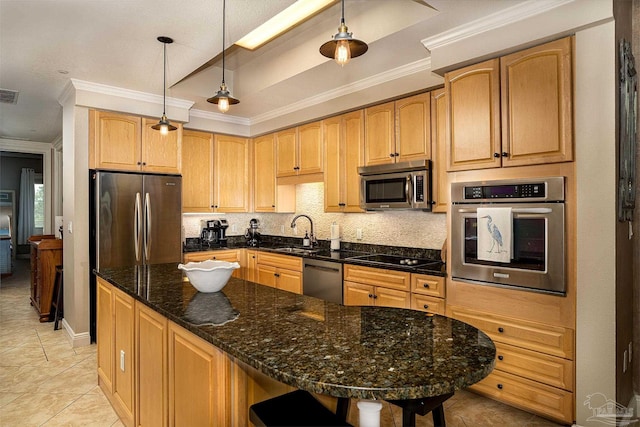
<point x="136" y="219"/>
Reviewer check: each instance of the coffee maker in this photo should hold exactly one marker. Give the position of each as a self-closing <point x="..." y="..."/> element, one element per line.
<point x="252" y="235"/>
<point x="214" y="234"/>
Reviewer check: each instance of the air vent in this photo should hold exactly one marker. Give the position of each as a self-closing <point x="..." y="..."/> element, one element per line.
<point x="8" y="96"/>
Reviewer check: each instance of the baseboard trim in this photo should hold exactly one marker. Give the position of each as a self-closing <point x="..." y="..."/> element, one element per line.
<point x="77" y="340"/>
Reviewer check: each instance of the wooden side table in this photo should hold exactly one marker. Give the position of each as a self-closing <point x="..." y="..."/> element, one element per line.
<point x="46" y="254"/>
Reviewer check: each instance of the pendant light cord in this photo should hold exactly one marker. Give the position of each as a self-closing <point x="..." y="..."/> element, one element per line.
<point x="342" y="19"/>
<point x="224" y="14"/>
<point x="164" y="81"/>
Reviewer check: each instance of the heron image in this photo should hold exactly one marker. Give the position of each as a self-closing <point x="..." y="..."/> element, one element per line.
<point x="496" y="236"/>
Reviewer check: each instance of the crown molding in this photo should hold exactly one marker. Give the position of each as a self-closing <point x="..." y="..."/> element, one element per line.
<point x="219" y="117"/>
<point x="134" y="95"/>
<point x="381" y="78"/>
<point x="508" y="16"/>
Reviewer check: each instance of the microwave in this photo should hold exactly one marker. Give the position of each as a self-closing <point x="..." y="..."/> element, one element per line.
<point x="405" y="185"/>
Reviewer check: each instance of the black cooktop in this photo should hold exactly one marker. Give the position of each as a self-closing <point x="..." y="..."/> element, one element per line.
<point x="395" y="260"/>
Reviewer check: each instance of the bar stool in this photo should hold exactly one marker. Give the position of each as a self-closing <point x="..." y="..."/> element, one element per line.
<point x="297" y="408"/>
<point x="57" y="300"/>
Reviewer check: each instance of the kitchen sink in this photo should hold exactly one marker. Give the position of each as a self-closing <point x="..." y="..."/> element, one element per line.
<point x="298" y="250"/>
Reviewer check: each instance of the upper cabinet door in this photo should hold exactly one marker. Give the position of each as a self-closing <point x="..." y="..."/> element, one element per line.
<point x="379" y="134"/>
<point x="161" y="153"/>
<point x="413" y="128"/>
<point x="197" y="177"/>
<point x="439" y="179"/>
<point x="333" y="165"/>
<point x="310" y="148"/>
<point x="232" y="176"/>
<point x="474" y="116"/>
<point x="115" y="141"/>
<point x="265" y="174"/>
<point x="353" y="152"/>
<point x="286" y="149"/>
<point x="537" y="105"/>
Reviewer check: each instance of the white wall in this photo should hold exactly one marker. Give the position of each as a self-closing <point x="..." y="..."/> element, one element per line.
<point x="594" y="104"/>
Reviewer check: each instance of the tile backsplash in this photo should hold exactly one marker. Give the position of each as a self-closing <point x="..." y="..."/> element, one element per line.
<point x="393" y="228"/>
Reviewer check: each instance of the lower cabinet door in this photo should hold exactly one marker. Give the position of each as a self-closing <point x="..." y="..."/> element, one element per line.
<point x="266" y="275"/>
<point x="123" y="376"/>
<point x="532" y="396"/>
<point x="392" y="298"/>
<point x="151" y="379"/>
<point x="104" y="335"/>
<point x="426" y="303"/>
<point x="358" y="294"/>
<point x="198" y="381"/>
<point x="289" y="280"/>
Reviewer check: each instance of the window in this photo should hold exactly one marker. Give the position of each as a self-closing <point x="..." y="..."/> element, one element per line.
<point x="38" y="206"/>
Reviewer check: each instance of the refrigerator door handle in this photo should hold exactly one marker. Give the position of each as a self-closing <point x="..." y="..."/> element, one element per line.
<point x="137" y="220"/>
<point x="147" y="230"/>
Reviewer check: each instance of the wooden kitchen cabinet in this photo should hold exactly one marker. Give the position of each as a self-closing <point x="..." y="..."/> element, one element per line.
<point x="398" y="131"/>
<point x="299" y="150"/>
<point x="151" y="367"/>
<point x="231" y="174"/>
<point x="439" y="178"/>
<point x="229" y="255"/>
<point x="534" y="363"/>
<point x="115" y="349"/>
<point x="268" y="196"/>
<point x="512" y="111"/>
<point x="536" y="90"/>
<point x="197" y="175"/>
<point x="250" y="270"/>
<point x="279" y="271"/>
<point x="428" y="293"/>
<point x="473" y="116"/>
<point x="199" y="381"/>
<point x="376" y="286"/>
<point x="46" y="254"/>
<point x="127" y="143"/>
<point x="344" y="153"/>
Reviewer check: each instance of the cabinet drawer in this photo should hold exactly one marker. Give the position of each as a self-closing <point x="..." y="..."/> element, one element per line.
<point x="549" y="339"/>
<point x="282" y="261"/>
<point x="428" y="285"/>
<point x="378" y="277"/>
<point x="536" y="366"/>
<point x="427" y="303"/>
<point x="550" y="402"/>
<point x="222" y="255"/>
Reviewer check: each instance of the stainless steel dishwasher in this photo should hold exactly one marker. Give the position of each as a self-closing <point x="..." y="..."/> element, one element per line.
<point x="322" y="279"/>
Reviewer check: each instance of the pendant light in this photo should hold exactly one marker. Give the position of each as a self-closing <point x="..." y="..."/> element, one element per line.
<point x="343" y="47"/>
<point x="164" y="126"/>
<point x="223" y="98"/>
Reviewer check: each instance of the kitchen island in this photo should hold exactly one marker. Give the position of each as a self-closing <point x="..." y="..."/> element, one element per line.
<point x="259" y="334"/>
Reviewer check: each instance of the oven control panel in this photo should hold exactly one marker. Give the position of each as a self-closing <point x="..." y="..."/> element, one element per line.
<point x="510" y="191"/>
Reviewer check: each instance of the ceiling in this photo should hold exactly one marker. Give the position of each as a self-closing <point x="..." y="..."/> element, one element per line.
<point x="45" y="43"/>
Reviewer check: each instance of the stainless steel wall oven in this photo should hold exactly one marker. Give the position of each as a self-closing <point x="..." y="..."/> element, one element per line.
<point x="535" y="248"/>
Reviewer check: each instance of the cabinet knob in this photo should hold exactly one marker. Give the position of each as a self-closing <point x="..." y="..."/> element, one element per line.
<point x="501" y="329"/>
<point x="144" y="163"/>
<point x="375" y="296"/>
<point x="500" y="386"/>
<point x="505" y="154"/>
<point x="370" y="295"/>
<point x="501" y="357"/>
<point x="426" y="285"/>
<point x="396" y="154"/>
<point x="342" y="204"/>
<point x="276" y="274"/>
<point x="273" y="206"/>
<point x="139" y="163"/>
<point x="426" y="306"/>
<point x="496" y="155"/>
<point x="391" y="155"/>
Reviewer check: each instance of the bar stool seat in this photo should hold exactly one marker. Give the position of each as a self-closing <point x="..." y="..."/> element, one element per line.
<point x="297" y="408"/>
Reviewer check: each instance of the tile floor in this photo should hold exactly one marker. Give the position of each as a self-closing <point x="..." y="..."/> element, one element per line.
<point x="45" y="382"/>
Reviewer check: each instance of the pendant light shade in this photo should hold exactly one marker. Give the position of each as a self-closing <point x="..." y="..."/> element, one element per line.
<point x="164" y="126"/>
<point x="223" y="98"/>
<point x="343" y="47"/>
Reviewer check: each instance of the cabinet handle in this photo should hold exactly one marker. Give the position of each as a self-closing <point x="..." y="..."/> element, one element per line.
<point x="391" y="155"/>
<point x="501" y="357"/>
<point x="396" y="154"/>
<point x="496" y="155"/>
<point x="426" y="285"/>
<point x="501" y="329"/>
<point x="505" y="154"/>
<point x="342" y="204"/>
<point x="426" y="306"/>
<point x="500" y="386"/>
<point x="375" y="296"/>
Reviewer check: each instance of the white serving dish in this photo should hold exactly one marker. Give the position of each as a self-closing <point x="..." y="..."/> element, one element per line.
<point x="209" y="275"/>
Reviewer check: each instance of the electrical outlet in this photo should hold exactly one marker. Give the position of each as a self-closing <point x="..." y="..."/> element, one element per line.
<point x="359" y="233"/>
<point x="122" y="360"/>
<point x="282" y="229"/>
<point x="233" y="228"/>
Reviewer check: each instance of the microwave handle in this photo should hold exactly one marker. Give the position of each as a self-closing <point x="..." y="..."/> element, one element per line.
<point x="409" y="188"/>
<point x="514" y="210"/>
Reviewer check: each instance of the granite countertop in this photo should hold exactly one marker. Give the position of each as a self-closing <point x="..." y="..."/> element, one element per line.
<point x="319" y="346"/>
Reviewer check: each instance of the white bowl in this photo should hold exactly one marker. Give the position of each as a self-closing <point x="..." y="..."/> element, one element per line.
<point x="209" y="275"/>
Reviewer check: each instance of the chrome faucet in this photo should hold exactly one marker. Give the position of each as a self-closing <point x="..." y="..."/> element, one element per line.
<point x="312" y="237"/>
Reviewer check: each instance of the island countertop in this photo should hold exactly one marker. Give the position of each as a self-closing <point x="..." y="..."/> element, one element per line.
<point x="318" y="346"/>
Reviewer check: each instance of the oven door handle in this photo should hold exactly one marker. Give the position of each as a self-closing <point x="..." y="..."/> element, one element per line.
<point x="514" y="210"/>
